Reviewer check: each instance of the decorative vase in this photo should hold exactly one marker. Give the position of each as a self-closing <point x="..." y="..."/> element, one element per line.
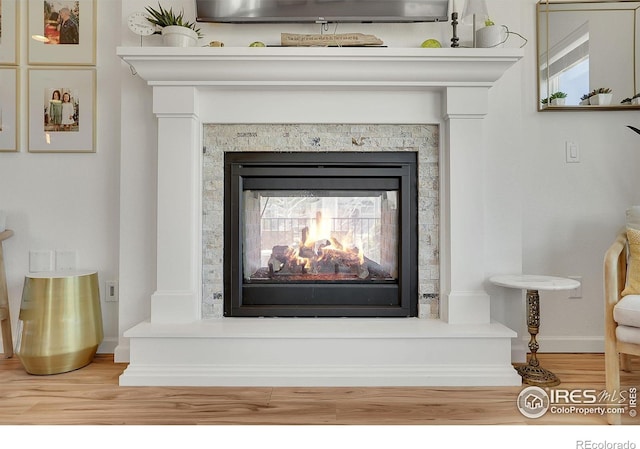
<point x="601" y="99"/>
<point x="492" y="36"/>
<point x="178" y="36"/>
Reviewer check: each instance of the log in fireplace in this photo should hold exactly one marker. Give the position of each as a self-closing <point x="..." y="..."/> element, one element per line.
<point x="321" y="234"/>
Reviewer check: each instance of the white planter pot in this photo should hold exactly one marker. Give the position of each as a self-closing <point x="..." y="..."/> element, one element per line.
<point x="558" y="101"/>
<point x="635" y="101"/>
<point x="601" y="99"/>
<point x="584" y="102"/>
<point x="492" y="36"/>
<point x="177" y="36"/>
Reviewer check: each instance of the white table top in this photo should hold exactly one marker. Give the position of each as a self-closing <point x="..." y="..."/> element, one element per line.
<point x="534" y="282"/>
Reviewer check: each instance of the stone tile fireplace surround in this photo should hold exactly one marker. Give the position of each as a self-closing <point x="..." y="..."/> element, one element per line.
<point x="219" y="139"/>
<point x="187" y="342"/>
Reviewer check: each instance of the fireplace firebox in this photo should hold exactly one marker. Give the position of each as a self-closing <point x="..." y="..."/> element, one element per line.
<point x="321" y="234"/>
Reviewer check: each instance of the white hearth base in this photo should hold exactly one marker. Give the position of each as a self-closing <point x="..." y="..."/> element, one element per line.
<point x="320" y="352"/>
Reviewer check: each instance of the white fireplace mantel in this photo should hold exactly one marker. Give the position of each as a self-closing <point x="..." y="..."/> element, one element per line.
<point x="201" y="85"/>
<point x="314" y="66"/>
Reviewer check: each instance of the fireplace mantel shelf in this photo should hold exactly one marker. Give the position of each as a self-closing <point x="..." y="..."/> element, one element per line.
<point x="319" y="66"/>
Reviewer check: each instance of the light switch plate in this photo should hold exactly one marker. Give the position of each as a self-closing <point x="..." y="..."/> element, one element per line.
<point x="572" y="152"/>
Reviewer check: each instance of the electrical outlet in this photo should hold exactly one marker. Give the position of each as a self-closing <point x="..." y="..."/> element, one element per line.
<point x="40" y="261"/>
<point x="65" y="260"/>
<point x="111" y="292"/>
<point x="576" y="292"/>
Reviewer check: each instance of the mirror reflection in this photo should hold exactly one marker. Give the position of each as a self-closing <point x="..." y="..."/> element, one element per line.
<point x="588" y="55"/>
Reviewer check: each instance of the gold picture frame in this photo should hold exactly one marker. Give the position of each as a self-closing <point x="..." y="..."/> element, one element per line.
<point x="9" y="24"/>
<point x="62" y="105"/>
<point x="9" y="109"/>
<point x="62" y="32"/>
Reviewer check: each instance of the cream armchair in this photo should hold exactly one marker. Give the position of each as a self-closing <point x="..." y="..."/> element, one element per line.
<point x="622" y="316"/>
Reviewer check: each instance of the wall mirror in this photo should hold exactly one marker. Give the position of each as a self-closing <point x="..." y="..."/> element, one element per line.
<point x="580" y="56"/>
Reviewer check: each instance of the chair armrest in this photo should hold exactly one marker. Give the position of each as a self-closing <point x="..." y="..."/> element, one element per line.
<point x="4" y="235"/>
<point x="615" y="275"/>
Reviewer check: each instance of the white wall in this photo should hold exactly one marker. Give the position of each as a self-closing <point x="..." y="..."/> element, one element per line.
<point x="543" y="216"/>
<point x="572" y="212"/>
<point x="67" y="201"/>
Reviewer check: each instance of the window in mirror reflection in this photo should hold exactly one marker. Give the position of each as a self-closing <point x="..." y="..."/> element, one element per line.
<point x="566" y="66"/>
<point x="584" y="46"/>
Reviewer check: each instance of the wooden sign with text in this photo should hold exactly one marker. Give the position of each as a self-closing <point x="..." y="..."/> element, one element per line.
<point x="329" y="40"/>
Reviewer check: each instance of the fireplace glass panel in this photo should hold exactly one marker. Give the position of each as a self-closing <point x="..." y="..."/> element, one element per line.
<point x="330" y="234"/>
<point x="320" y="236"/>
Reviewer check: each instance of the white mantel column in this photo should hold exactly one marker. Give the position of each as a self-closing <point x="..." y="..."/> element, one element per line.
<point x="462" y="274"/>
<point x="179" y="275"/>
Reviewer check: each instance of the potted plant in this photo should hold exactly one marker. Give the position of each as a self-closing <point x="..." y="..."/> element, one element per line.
<point x="584" y="100"/>
<point x="558" y="98"/>
<point x="636" y="99"/>
<point x="491" y="36"/>
<point x="176" y="32"/>
<point x="601" y="97"/>
<point x="555" y="99"/>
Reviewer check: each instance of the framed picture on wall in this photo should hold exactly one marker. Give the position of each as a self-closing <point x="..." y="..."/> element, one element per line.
<point x="8" y="108"/>
<point x="9" y="21"/>
<point x="62" y="104"/>
<point x="62" y="32"/>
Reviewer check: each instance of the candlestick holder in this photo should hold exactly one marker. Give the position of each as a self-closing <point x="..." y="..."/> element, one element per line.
<point x="454" y="24"/>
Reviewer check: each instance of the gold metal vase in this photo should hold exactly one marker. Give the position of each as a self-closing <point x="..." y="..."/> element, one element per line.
<point x="60" y="322"/>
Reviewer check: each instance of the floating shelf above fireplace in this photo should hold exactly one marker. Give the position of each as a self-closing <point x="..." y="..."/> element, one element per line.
<point x="321" y="234"/>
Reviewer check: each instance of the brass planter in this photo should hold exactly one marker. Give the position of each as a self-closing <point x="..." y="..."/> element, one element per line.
<point x="60" y="322"/>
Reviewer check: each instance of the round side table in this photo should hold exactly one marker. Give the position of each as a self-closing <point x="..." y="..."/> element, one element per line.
<point x="532" y="373"/>
<point x="60" y="321"/>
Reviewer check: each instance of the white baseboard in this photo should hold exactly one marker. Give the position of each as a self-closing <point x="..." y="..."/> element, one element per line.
<point x="122" y="353"/>
<point x="108" y="346"/>
<point x="518" y="351"/>
<point x="573" y="344"/>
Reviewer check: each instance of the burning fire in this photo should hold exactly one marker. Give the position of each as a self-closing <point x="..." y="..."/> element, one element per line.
<point x="322" y="230"/>
<point x="320" y="252"/>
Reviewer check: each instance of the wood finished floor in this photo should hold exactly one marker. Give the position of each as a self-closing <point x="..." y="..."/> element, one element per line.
<point x="91" y="395"/>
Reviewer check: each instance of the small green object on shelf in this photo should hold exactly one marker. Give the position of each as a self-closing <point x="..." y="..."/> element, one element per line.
<point x="257" y="44"/>
<point x="431" y="43"/>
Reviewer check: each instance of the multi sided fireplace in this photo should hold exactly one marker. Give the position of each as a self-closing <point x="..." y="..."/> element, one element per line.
<point x="321" y="234"/>
<point x="185" y="341"/>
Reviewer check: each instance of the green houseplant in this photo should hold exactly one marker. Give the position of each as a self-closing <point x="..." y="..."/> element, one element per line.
<point x="176" y="31"/>
<point x="556" y="99"/>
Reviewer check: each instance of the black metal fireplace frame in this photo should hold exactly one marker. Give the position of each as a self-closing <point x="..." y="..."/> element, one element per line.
<point x="297" y="171"/>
